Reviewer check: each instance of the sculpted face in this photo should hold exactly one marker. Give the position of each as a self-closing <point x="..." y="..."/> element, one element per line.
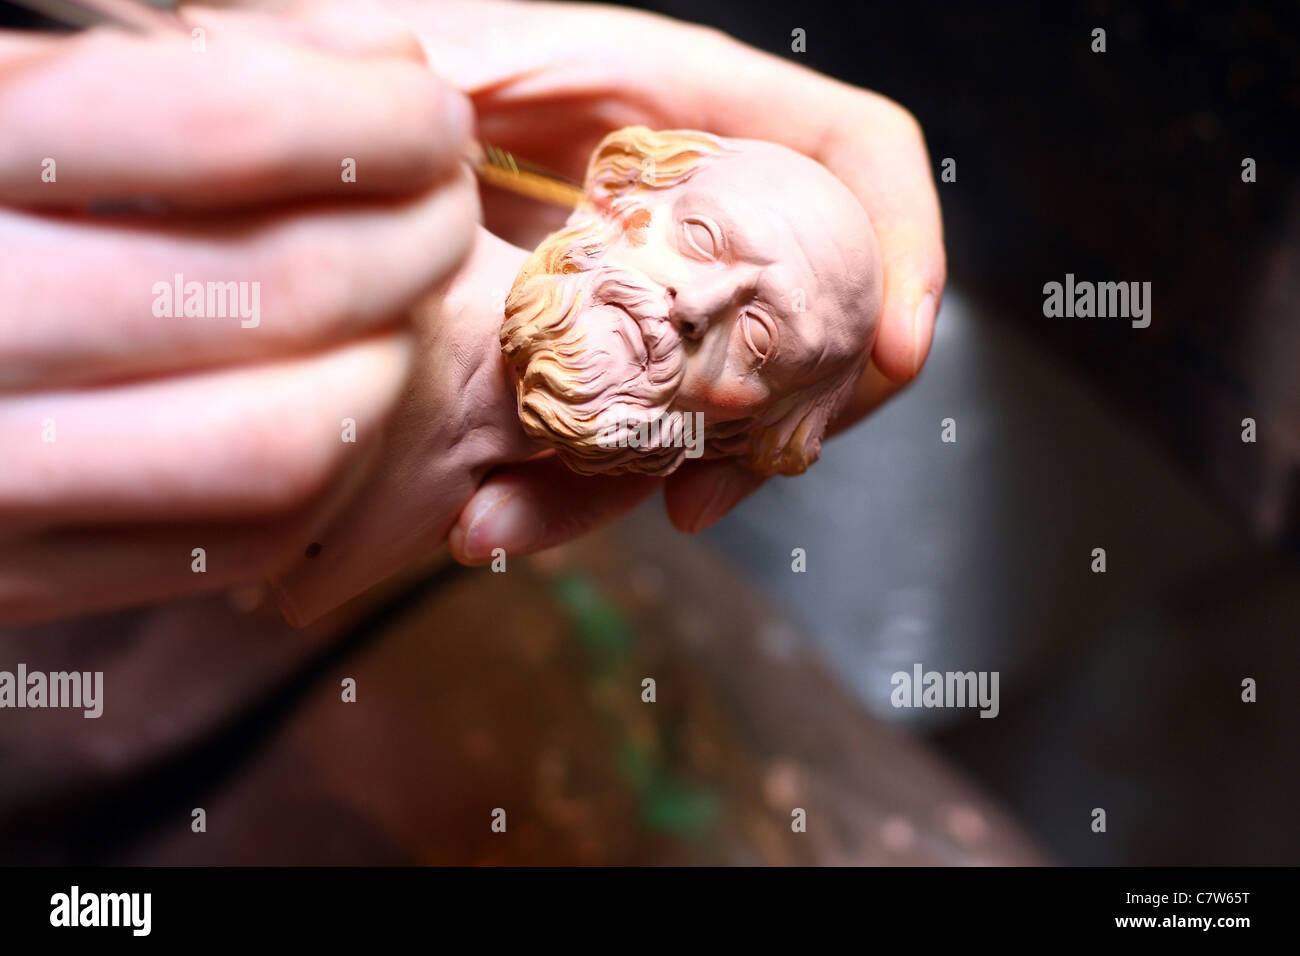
<point x="731" y="278"/>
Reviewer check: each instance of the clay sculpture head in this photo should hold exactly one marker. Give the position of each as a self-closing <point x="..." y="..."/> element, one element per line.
<point x="731" y="278"/>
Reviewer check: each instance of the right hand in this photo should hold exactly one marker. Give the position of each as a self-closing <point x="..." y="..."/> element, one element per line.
<point x="128" y="439"/>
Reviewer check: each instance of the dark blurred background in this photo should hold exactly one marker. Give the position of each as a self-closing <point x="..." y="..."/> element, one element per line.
<point x="1122" y="689"/>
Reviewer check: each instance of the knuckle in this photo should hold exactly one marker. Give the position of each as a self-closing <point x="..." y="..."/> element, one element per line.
<point x="903" y="120"/>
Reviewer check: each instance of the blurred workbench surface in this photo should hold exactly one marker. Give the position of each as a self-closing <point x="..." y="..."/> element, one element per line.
<point x="521" y="691"/>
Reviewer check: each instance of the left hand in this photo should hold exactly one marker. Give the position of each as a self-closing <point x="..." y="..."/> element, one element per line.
<point x="549" y="80"/>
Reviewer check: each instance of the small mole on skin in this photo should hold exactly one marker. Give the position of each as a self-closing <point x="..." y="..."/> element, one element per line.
<point x="313" y="549"/>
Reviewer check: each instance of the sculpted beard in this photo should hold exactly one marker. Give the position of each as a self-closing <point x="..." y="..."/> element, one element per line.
<point x="574" y="395"/>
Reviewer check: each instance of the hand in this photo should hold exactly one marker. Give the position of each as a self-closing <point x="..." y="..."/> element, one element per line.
<point x="548" y="80"/>
<point x="132" y="437"/>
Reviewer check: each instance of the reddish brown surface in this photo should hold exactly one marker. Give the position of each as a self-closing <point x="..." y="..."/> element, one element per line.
<point x="519" y="690"/>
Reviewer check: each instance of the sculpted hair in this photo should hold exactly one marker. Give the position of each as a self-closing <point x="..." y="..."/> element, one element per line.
<point x="636" y="158"/>
<point x="564" y="400"/>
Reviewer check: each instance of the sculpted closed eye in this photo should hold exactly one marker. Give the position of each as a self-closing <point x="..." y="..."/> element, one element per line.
<point x="701" y="237"/>
<point x="758" y="334"/>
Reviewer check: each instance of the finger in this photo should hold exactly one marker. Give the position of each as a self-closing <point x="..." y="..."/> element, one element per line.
<point x="82" y="300"/>
<point x="881" y="157"/>
<point x="540" y="504"/>
<point x="328" y="27"/>
<point x="872" y="390"/>
<point x="96" y="570"/>
<point x="82" y="570"/>
<point x="247" y="119"/>
<point x="914" y="281"/>
<point x="700" y="493"/>
<point x="251" y="440"/>
<point x="17" y="46"/>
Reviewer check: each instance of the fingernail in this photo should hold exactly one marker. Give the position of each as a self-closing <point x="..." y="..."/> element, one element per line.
<point x="922" y="330"/>
<point x="507" y="522"/>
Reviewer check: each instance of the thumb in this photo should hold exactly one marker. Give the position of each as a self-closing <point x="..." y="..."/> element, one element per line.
<point x="700" y="493"/>
<point x="539" y="504"/>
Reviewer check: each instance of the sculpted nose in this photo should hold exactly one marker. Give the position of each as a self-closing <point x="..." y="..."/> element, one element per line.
<point x="707" y="300"/>
<point x="689" y="325"/>
<point x="693" y="311"/>
<point x="685" y="319"/>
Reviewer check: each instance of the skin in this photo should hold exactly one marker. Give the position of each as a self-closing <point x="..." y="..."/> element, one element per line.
<point x="183" y="433"/>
